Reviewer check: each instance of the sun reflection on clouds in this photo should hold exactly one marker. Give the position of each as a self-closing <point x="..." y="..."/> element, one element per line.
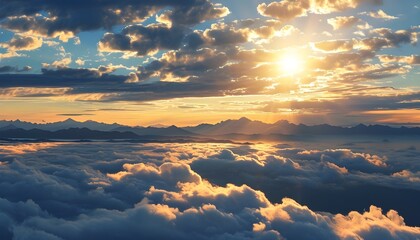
<point x="23" y="148"/>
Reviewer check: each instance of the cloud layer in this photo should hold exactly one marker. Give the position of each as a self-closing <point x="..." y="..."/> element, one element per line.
<point x="200" y="191"/>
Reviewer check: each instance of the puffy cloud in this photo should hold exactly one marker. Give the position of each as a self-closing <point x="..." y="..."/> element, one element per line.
<point x="188" y="15"/>
<point x="20" y="43"/>
<point x="373" y="224"/>
<point x="406" y="174"/>
<point x="387" y="38"/>
<point x="80" y="62"/>
<point x="150" y="39"/>
<point x="63" y="63"/>
<point x="98" y="190"/>
<point x="143" y="40"/>
<point x="348" y="159"/>
<point x="380" y="14"/>
<point x="343" y="22"/>
<point x="413" y="59"/>
<point x="50" y="19"/>
<point x="333" y="46"/>
<point x="286" y="10"/>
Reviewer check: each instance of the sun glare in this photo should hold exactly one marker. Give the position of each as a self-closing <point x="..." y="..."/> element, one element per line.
<point x="291" y="64"/>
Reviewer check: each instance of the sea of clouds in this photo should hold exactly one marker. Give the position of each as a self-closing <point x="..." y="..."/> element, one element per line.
<point x="209" y="191"/>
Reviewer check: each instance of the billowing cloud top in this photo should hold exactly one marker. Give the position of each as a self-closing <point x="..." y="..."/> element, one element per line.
<point x="206" y="191"/>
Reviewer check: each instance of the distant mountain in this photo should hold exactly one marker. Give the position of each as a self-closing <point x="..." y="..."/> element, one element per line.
<point x="68" y="123"/>
<point x="240" y="126"/>
<point x="71" y="133"/>
<point x="168" y="131"/>
<point x="249" y="127"/>
<point x="8" y="127"/>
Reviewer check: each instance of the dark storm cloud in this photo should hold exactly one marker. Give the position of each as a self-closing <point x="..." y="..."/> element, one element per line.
<point x="131" y="191"/>
<point x="52" y="18"/>
<point x="8" y="69"/>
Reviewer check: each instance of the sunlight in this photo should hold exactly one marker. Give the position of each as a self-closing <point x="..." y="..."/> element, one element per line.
<point x="291" y="64"/>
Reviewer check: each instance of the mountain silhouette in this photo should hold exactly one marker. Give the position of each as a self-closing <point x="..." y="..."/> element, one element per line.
<point x="242" y="128"/>
<point x="68" y="123"/>
<point x="282" y="127"/>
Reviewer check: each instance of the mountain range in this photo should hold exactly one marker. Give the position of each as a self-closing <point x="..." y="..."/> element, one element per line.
<point x="71" y="129"/>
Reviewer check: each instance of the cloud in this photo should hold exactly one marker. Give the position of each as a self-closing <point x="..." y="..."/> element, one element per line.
<point x="191" y="15"/>
<point x="49" y="19"/>
<point x="63" y="63"/>
<point x="381" y="15"/>
<point x="413" y="59"/>
<point x="334" y="46"/>
<point x="343" y="22"/>
<point x="97" y="190"/>
<point x="8" y="69"/>
<point x="407" y="174"/>
<point x="148" y="40"/>
<point x="284" y="10"/>
<point x="287" y="10"/>
<point x="20" y="43"/>
<point x="143" y="40"/>
<point x="346" y="158"/>
<point x="80" y="62"/>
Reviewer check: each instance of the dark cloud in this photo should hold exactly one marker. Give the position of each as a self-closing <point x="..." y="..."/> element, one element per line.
<point x="143" y="40"/>
<point x="8" y="69"/>
<point x="65" y="19"/>
<point x="190" y="15"/>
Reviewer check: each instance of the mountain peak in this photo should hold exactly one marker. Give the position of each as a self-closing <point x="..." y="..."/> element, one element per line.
<point x="70" y="120"/>
<point x="244" y="119"/>
<point x="8" y="127"/>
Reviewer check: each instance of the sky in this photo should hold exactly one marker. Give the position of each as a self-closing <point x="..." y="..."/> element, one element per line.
<point x="186" y="62"/>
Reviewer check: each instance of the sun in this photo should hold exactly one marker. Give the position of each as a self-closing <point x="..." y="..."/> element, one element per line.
<point x="291" y="64"/>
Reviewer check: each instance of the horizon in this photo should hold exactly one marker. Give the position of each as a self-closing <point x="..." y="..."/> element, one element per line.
<point x="159" y="125"/>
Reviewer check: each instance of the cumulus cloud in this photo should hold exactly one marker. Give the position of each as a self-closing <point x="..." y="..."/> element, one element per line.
<point x="190" y="15"/>
<point x="50" y="19"/>
<point x="287" y="10"/>
<point x="143" y="40"/>
<point x="413" y="59"/>
<point x="158" y="191"/>
<point x="380" y="14"/>
<point x="63" y="63"/>
<point x="343" y="22"/>
<point x="333" y="46"/>
<point x="20" y="43"/>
